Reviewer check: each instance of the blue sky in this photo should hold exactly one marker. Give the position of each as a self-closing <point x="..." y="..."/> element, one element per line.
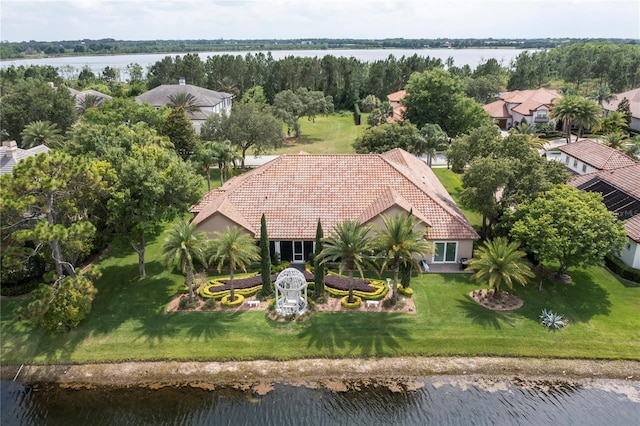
<point x="48" y="20"/>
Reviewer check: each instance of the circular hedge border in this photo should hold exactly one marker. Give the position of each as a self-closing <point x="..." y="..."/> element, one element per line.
<point x="225" y="301"/>
<point x="357" y="301"/>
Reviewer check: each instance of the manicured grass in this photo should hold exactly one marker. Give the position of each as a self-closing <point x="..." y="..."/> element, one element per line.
<point x="453" y="183"/>
<point x="332" y="134"/>
<point x="129" y="322"/>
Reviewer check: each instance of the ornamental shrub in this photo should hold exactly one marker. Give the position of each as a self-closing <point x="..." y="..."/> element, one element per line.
<point x="357" y="301"/>
<point x="225" y="300"/>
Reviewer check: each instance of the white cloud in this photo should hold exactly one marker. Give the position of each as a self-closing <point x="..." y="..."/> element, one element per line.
<point x="212" y="19"/>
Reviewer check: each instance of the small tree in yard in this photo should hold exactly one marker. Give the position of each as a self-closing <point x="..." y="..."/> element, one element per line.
<point x="500" y="262"/>
<point x="319" y="269"/>
<point x="568" y="226"/>
<point x="236" y="249"/>
<point x="265" y="255"/>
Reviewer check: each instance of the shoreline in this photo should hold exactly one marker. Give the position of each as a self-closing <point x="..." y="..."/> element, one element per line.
<point x="314" y="372"/>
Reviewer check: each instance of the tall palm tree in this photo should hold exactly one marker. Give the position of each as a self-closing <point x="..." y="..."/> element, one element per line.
<point x="587" y="115"/>
<point x="614" y="121"/>
<point x="615" y="139"/>
<point x="565" y="109"/>
<point x="235" y="248"/>
<point x="603" y="94"/>
<point x="349" y="245"/>
<point x="397" y="242"/>
<point x="183" y="244"/>
<point x="500" y="262"/>
<point x="227" y="85"/>
<point x="226" y="157"/>
<point x="206" y="158"/>
<point x="88" y="102"/>
<point x="41" y="133"/>
<point x="184" y="100"/>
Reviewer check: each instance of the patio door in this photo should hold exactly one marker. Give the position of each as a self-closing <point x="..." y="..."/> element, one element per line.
<point x="298" y="252"/>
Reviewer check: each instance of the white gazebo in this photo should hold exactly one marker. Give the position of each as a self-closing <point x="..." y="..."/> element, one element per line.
<point x="291" y="292"/>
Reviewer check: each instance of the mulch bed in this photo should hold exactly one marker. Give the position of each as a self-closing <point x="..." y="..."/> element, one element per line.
<point x="334" y="281"/>
<point x="505" y="302"/>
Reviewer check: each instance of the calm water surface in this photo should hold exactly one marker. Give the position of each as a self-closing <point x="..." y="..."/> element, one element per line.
<point x="438" y="401"/>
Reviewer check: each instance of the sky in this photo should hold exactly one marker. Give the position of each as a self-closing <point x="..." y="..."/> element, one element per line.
<point x="53" y="20"/>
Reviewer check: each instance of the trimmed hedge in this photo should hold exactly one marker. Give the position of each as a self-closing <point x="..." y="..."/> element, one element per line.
<point x="357" y="301"/>
<point x="357" y="115"/>
<point x="616" y="266"/>
<point x="408" y="292"/>
<point x="225" y="300"/>
<point x="218" y="291"/>
<point x="380" y="292"/>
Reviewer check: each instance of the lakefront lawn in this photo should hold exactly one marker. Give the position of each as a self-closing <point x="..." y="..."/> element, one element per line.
<point x="129" y="322"/>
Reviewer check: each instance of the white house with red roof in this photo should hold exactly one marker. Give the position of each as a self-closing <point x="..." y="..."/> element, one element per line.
<point x="295" y="191"/>
<point x="522" y="106"/>
<point x="590" y="156"/>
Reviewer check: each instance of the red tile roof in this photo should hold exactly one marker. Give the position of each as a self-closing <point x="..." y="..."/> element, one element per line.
<point x="294" y="191"/>
<point x="497" y="109"/>
<point x="396" y="96"/>
<point x="526" y="102"/>
<point x="632" y="227"/>
<point x="597" y="155"/>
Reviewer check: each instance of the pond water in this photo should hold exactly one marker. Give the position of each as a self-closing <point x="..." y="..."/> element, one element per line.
<point x="447" y="400"/>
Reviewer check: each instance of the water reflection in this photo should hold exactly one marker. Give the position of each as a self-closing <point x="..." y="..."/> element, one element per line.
<point x="436" y="400"/>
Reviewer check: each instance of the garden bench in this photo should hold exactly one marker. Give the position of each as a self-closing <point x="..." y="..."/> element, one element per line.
<point x="372" y="303"/>
<point x="253" y="303"/>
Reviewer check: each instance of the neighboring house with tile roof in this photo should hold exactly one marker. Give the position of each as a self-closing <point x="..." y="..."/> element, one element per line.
<point x="209" y="101"/>
<point x="634" y="106"/>
<point x="10" y="155"/>
<point x="620" y="189"/>
<point x="295" y="191"/>
<point x="589" y="156"/>
<point x="395" y="100"/>
<point x="80" y="96"/>
<point x="520" y="106"/>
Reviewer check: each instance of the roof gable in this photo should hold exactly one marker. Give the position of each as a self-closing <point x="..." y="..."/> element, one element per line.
<point x="597" y="154"/>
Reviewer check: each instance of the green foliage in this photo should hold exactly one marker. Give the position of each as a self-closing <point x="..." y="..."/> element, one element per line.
<point x="265" y="258"/>
<point x="230" y="302"/>
<point x="388" y="136"/>
<point x="433" y="139"/>
<point x="62" y="305"/>
<point x="369" y="103"/>
<point x="500" y="262"/>
<point x="119" y="111"/>
<point x="575" y="110"/>
<point x="357" y="115"/>
<point x="290" y="106"/>
<point x="552" y="320"/>
<point x="619" y="268"/>
<point x="319" y="270"/>
<point x="568" y="226"/>
<point x="479" y="142"/>
<point x="41" y="133"/>
<point x="351" y="303"/>
<point x="180" y="131"/>
<point x="405" y="291"/>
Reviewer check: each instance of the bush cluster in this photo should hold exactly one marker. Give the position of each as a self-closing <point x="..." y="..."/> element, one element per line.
<point x="616" y="266"/>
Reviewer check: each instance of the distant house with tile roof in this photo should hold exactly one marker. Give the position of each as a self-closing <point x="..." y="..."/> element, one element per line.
<point x="81" y="95"/>
<point x="10" y="155"/>
<point x="634" y="105"/>
<point x="295" y="191"/>
<point x="589" y="156"/>
<point x="208" y="101"/>
<point x="620" y="189"/>
<point x="520" y="106"/>
<point x="395" y="100"/>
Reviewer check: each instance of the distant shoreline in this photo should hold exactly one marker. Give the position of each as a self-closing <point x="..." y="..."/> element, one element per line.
<point x="315" y="372"/>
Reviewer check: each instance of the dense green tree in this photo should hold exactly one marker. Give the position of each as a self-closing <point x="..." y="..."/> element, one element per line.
<point x="350" y="247"/>
<point x="221" y="154"/>
<point x="265" y="258"/>
<point x="41" y="133"/>
<point x="319" y="269"/>
<point x="388" y="136"/>
<point x="479" y="142"/>
<point x="290" y="106"/>
<point x="34" y="100"/>
<point x="181" y="246"/>
<point x="369" y="103"/>
<point x="154" y="186"/>
<point x="615" y="121"/>
<point x="398" y="242"/>
<point x="128" y="112"/>
<point x="437" y="97"/>
<point x="180" y="131"/>
<point x="380" y="115"/>
<point x="568" y="226"/>
<point x="624" y="106"/>
<point x="500" y="262"/>
<point x="235" y="248"/>
<point x="248" y="126"/>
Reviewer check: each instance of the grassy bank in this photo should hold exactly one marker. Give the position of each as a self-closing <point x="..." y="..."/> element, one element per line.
<point x="129" y="322"/>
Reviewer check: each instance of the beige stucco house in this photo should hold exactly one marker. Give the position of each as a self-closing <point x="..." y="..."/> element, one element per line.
<point x="520" y="106"/>
<point x="295" y="191"/>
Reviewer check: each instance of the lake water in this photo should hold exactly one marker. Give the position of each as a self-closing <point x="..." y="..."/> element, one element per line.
<point x="447" y="400"/>
<point x="461" y="57"/>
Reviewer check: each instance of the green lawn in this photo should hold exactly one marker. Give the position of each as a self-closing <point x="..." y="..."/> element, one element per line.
<point x="453" y="183"/>
<point x="129" y="322"/>
<point x="332" y="134"/>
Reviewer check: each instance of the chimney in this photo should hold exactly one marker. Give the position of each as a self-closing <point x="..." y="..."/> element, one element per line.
<point x="181" y="81"/>
<point x="11" y="149"/>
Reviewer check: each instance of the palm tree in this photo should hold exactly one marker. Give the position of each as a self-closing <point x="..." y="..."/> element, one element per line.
<point x="206" y="157"/>
<point x="398" y="242"/>
<point x="185" y="101"/>
<point x="527" y="129"/>
<point x="615" y="139"/>
<point x="587" y="115"/>
<point x="500" y="261"/>
<point x="41" y="133"/>
<point x="226" y="157"/>
<point x="181" y="246"/>
<point x="603" y="94"/>
<point x="235" y="248"/>
<point x="614" y="121"/>
<point x="434" y="138"/>
<point x="565" y="109"/>
<point x="227" y="85"/>
<point x="349" y="245"/>
<point x="632" y="147"/>
<point x="89" y="101"/>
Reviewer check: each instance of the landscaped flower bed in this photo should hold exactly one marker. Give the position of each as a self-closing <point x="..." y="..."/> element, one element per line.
<point x="340" y="282"/>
